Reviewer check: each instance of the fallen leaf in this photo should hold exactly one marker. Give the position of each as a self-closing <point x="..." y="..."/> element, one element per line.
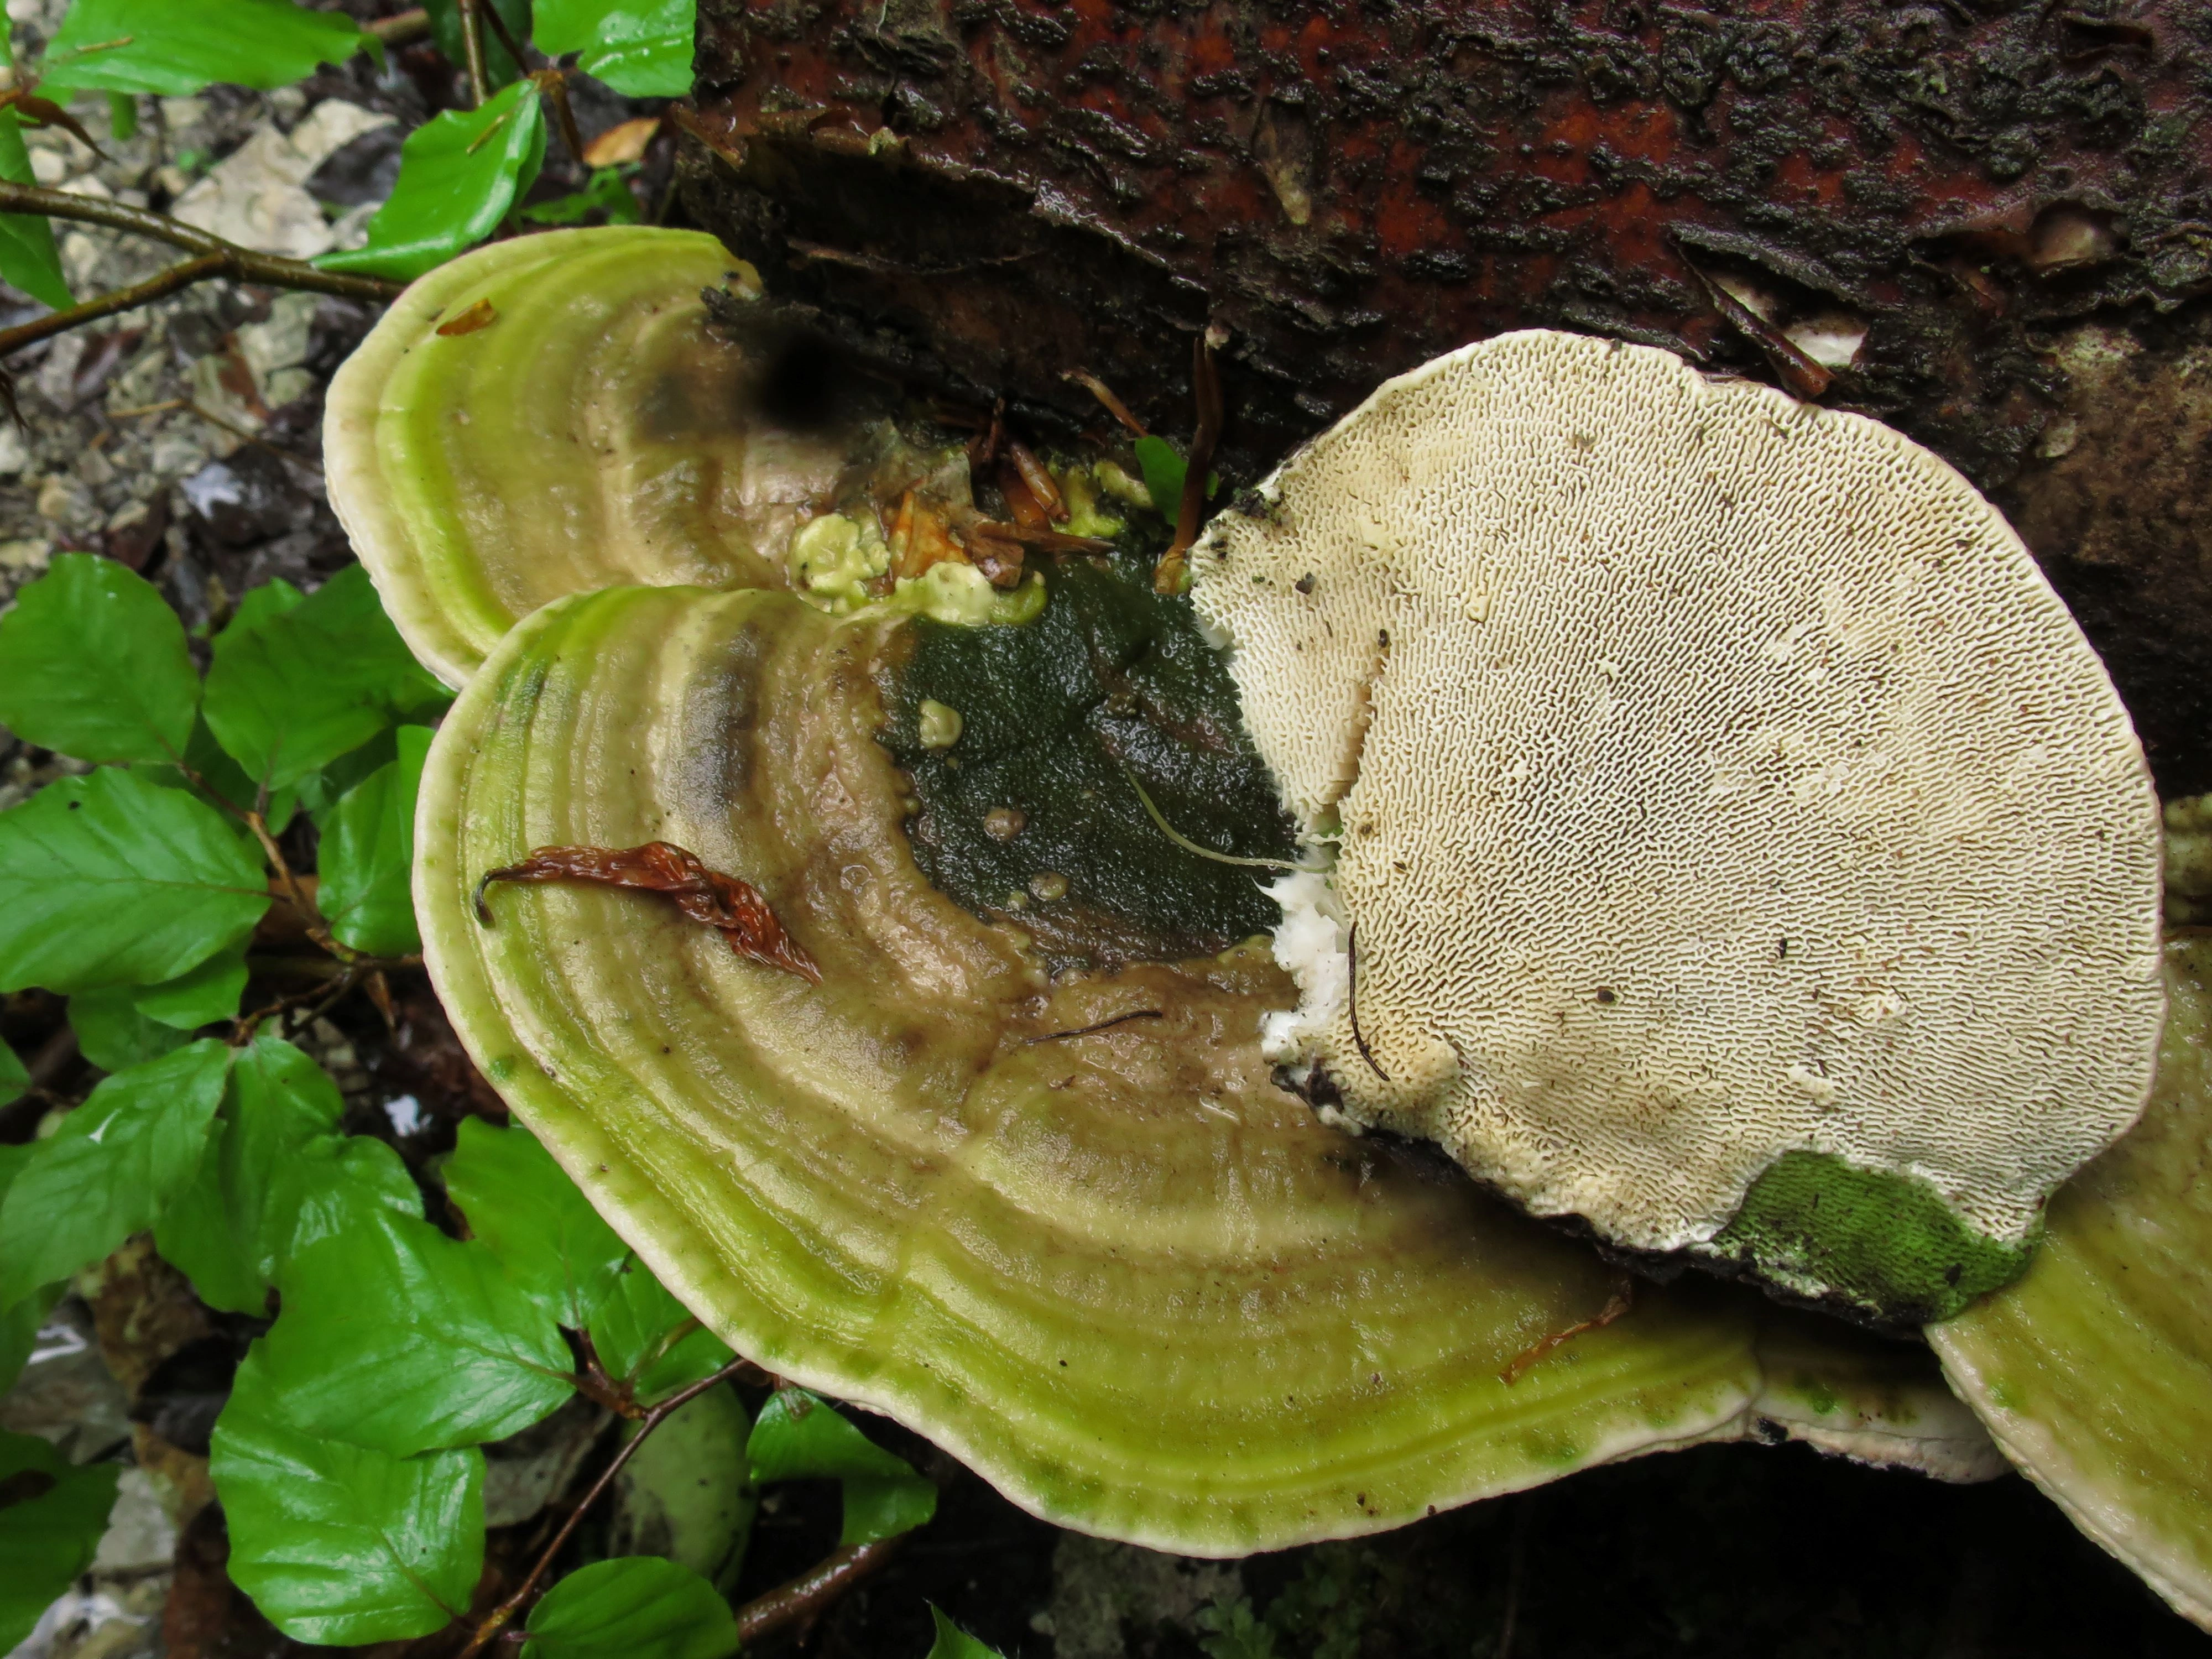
<point x="624" y="142"/>
<point x="479" y="315"/>
<point x="734" y="907"/>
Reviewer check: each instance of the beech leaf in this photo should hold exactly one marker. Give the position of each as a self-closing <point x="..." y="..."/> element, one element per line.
<point x="111" y="1168"/>
<point x="48" y="1536"/>
<point x="521" y="1206"/>
<point x="337" y="1544"/>
<point x="642" y="48"/>
<point x="638" y="1605"/>
<point x="367" y="858"/>
<point x="109" y="879"/>
<point x="174" y="49"/>
<point x="398" y="1338"/>
<point x="297" y="683"/>
<point x="92" y="663"/>
<point x="799" y="1436"/>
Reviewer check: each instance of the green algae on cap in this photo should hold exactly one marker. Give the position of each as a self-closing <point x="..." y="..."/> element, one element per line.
<point x="1117" y="1271"/>
<point x="2094" y="1371"/>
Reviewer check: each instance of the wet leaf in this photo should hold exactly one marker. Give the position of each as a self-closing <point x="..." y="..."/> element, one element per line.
<point x="111" y="1168"/>
<point x="113" y="1035"/>
<point x="278" y="1175"/>
<point x="367" y="857"/>
<point x="639" y="1607"/>
<point x="642" y="48"/>
<point x="198" y="997"/>
<point x="459" y="173"/>
<point x="15" y="1076"/>
<point x="162" y="46"/>
<point x="646" y="1337"/>
<point x="27" y="256"/>
<point x="523" y="1209"/>
<point x="733" y="907"/>
<point x="224" y="778"/>
<point x="19" y="1321"/>
<point x="92" y="663"/>
<point x="296" y="683"/>
<point x="337" y="1544"/>
<point x="801" y="1437"/>
<point x="398" y="1338"/>
<point x="479" y="315"/>
<point x="48" y="1537"/>
<point x="954" y="1643"/>
<point x="110" y="879"/>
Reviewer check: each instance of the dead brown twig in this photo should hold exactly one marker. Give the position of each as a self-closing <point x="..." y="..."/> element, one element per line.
<point x="403" y="29"/>
<point x="1623" y="1298"/>
<point x="804" y="1596"/>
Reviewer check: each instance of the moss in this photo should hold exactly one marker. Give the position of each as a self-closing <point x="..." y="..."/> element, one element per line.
<point x="1887" y="1243"/>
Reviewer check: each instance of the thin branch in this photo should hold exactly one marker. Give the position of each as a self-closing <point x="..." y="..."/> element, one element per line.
<point x="803" y="1597"/>
<point x="1623" y="1298"/>
<point x="311" y="918"/>
<point x="554" y="83"/>
<point x="1102" y="1025"/>
<point x="404" y="30"/>
<point x="496" y="1620"/>
<point x="216" y="258"/>
<point x="1172" y="575"/>
<point x="472" y="50"/>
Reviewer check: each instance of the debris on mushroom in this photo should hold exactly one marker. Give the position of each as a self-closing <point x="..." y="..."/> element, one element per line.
<point x="1746" y="853"/>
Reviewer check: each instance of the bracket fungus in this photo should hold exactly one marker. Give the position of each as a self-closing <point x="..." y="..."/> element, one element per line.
<point x="926" y="1091"/>
<point x="1742" y="849"/>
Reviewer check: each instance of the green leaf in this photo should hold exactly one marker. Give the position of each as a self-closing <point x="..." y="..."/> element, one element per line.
<point x="954" y="1643"/>
<point x="199" y="996"/>
<point x="27" y="257"/>
<point x="111" y="1168"/>
<point x="646" y="1337"/>
<point x="15" y="1076"/>
<point x="459" y="173"/>
<point x="110" y="879"/>
<point x="642" y="48"/>
<point x="92" y="663"/>
<point x="398" y="1338"/>
<point x="1163" y="470"/>
<point x="604" y="193"/>
<point x="113" y="1035"/>
<point x="19" y="1321"/>
<point x="276" y="1177"/>
<point x="174" y="49"/>
<point x="225" y="779"/>
<point x="337" y="1544"/>
<point x="322" y="792"/>
<point x="123" y="116"/>
<point x="801" y="1437"/>
<point x="295" y="686"/>
<point x="48" y="1536"/>
<point x="367" y="859"/>
<point x="636" y="1606"/>
<point x="1235" y="1633"/>
<point x="522" y="1206"/>
<point x="499" y="68"/>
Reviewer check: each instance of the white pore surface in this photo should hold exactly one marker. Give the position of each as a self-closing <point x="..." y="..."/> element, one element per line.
<point x="1718" y="776"/>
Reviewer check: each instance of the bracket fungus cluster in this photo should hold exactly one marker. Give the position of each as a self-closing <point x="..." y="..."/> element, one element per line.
<point x="1014" y="1162"/>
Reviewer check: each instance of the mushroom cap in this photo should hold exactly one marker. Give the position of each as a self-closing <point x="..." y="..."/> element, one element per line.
<point x="589" y="430"/>
<point x="1123" y="1276"/>
<point x="1741" y="847"/>
<point x="2094" y="1371"/>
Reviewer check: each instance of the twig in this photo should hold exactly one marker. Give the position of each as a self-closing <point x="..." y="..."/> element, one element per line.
<point x="554" y="83"/>
<point x="489" y="11"/>
<point x="1102" y="1025"/>
<point x="403" y="29"/>
<point x="52" y="1058"/>
<point x="311" y="918"/>
<point x="1171" y="575"/>
<point x="804" y="1596"/>
<point x="1352" y="1000"/>
<point x="1114" y="406"/>
<point x="473" y="52"/>
<point x="1623" y="1298"/>
<point x="496" y="1620"/>
<point x="215" y="258"/>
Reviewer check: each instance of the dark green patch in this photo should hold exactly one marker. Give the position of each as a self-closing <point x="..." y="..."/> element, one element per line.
<point x="1111" y="679"/>
<point x="1886" y="1243"/>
